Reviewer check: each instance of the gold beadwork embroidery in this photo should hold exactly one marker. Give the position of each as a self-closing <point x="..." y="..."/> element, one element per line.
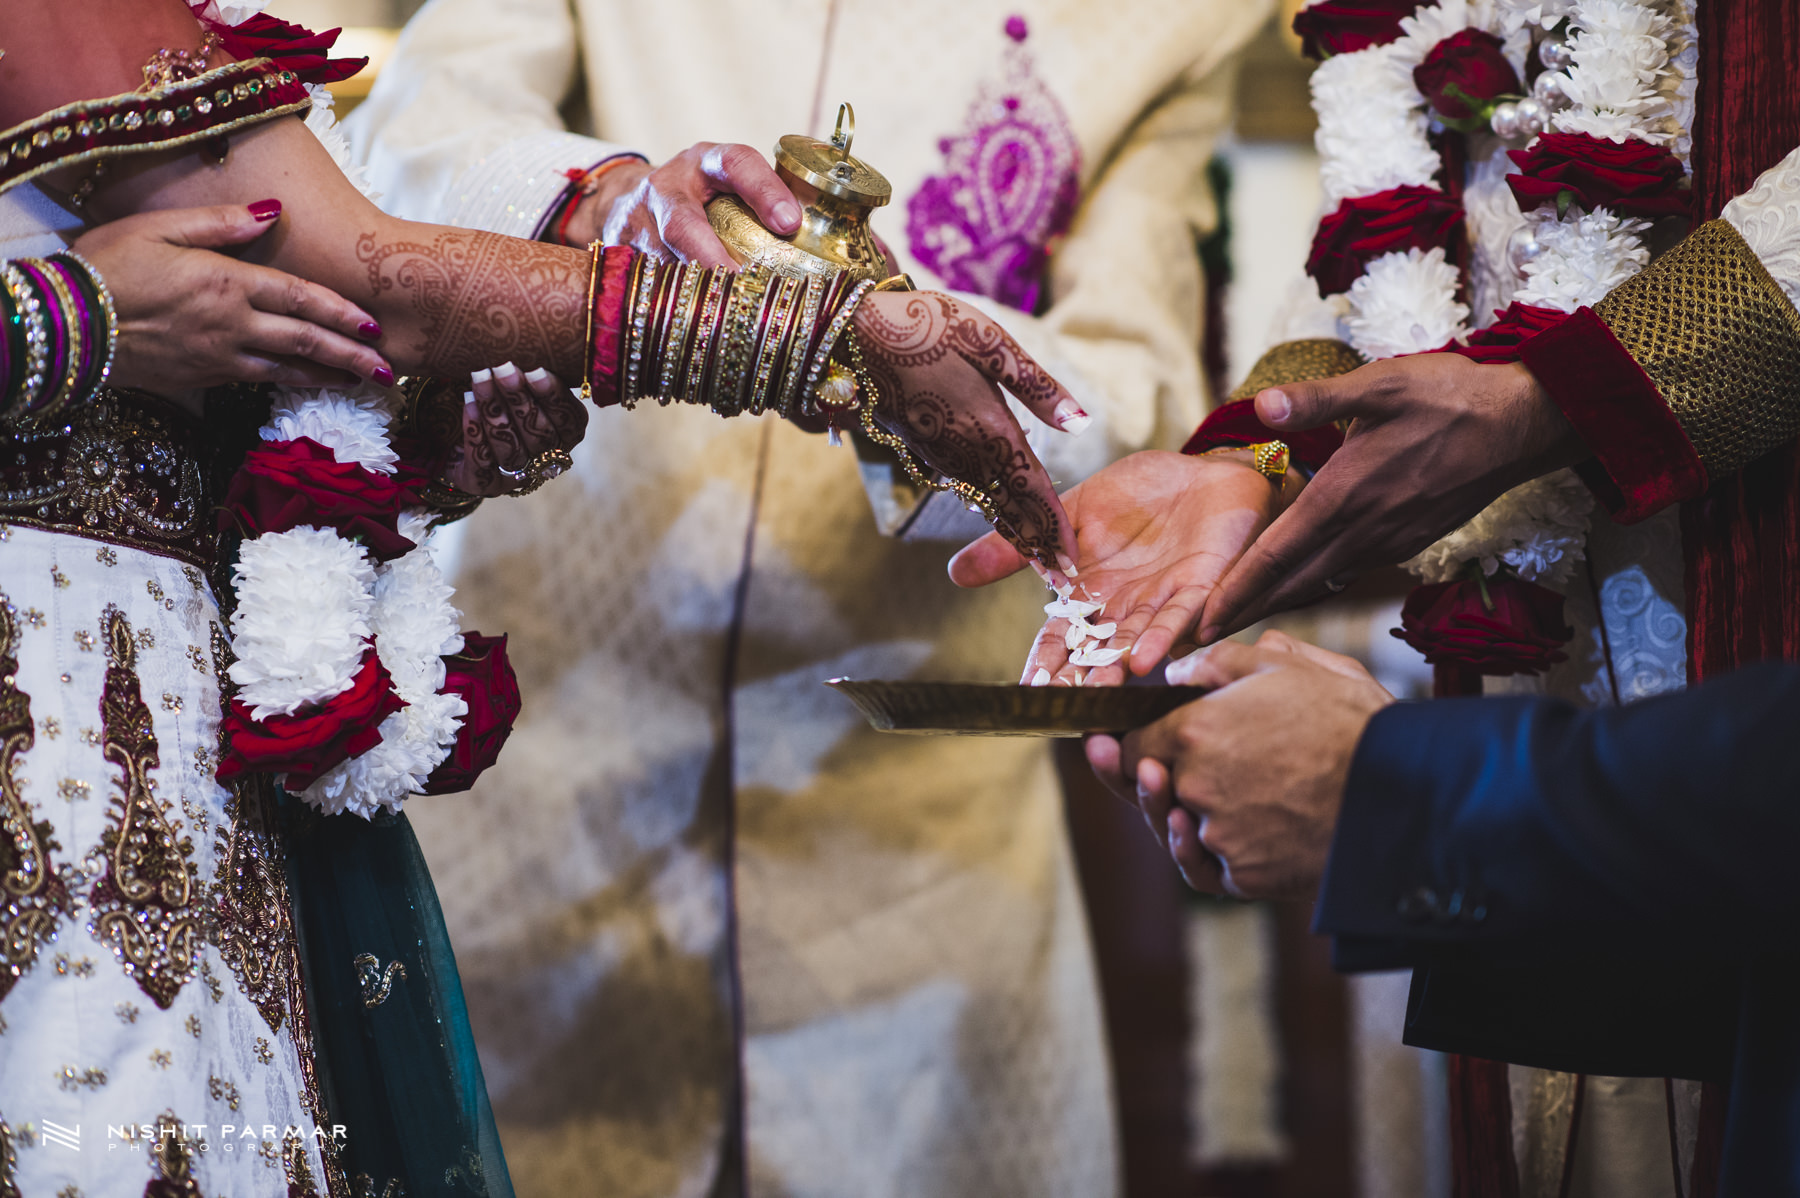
<point x="250" y="905"/>
<point x="160" y="1058"/>
<point x="120" y="472"/>
<point x="1720" y="341"/>
<point x="173" y="1157"/>
<point x="72" y="1079"/>
<point x="223" y="1091"/>
<point x="296" y="1167"/>
<point x="33" y="897"/>
<point x="376" y="983"/>
<point x="9" y="1163"/>
<point x="144" y="906"/>
<point x="127" y="1012"/>
<point x="1298" y="362"/>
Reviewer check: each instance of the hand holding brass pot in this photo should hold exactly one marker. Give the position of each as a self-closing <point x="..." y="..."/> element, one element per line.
<point x="837" y="192"/>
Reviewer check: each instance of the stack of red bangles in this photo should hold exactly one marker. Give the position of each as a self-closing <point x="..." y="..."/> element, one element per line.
<point x="60" y="326"/>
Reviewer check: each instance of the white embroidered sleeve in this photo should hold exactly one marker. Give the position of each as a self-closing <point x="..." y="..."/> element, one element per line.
<point x="465" y="123"/>
<point x="1768" y="218"/>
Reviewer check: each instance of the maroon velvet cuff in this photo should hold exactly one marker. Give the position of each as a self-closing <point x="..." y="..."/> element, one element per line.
<point x="1236" y="424"/>
<point x="1643" y="460"/>
<point x="611" y="297"/>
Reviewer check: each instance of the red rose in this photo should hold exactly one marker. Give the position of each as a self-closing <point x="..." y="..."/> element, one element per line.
<point x="285" y="484"/>
<point x="1516" y="627"/>
<point x="1500" y="341"/>
<point x="1365" y="227"/>
<point x="297" y="49"/>
<point x="1631" y="178"/>
<point x="485" y="679"/>
<point x="1340" y="26"/>
<point x="1464" y="74"/>
<point x="307" y="743"/>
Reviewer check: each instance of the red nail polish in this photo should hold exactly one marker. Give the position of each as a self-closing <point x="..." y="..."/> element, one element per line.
<point x="384" y="376"/>
<point x="368" y="330"/>
<point x="266" y="210"/>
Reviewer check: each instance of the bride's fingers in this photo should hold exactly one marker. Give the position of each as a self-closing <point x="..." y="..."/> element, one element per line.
<point x="566" y="413"/>
<point x="991" y="349"/>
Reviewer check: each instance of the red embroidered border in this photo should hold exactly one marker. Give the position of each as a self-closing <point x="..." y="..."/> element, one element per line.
<point x="217" y="102"/>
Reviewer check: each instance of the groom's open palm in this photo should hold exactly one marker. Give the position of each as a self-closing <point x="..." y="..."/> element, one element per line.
<point x="1155" y="532"/>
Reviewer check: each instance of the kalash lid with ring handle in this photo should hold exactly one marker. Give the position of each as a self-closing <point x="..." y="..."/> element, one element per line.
<point x="837" y="192"/>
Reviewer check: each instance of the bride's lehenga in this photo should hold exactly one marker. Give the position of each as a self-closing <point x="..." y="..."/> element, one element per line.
<point x="205" y="989"/>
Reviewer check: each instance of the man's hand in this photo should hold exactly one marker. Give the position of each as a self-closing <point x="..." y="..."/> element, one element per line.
<point x="1434" y="439"/>
<point x="1247" y="781"/>
<point x="662" y="210"/>
<point x="1154" y="531"/>
<point x="191" y="318"/>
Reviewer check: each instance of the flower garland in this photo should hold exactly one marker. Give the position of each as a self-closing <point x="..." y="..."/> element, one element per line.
<point x="343" y="621"/>
<point x="1606" y="120"/>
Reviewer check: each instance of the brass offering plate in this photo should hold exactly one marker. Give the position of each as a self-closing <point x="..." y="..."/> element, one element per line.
<point x="1004" y="709"/>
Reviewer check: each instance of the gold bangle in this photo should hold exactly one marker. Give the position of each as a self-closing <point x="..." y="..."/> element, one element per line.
<point x="72" y="341"/>
<point x="741" y="319"/>
<point x="643" y="286"/>
<point x="807" y="321"/>
<point x="704" y="332"/>
<point x="687" y="298"/>
<point x="587" y="365"/>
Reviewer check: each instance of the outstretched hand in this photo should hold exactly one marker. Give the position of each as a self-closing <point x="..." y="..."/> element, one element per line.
<point x="1155" y="532"/>
<point x="938" y="367"/>
<point x="1434" y="438"/>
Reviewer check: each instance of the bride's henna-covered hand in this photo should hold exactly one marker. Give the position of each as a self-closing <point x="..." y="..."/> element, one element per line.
<point x="509" y="418"/>
<point x="1156" y="532"/>
<point x="938" y="367"/>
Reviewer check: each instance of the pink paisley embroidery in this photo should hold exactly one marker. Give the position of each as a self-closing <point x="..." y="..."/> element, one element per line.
<point x="989" y="222"/>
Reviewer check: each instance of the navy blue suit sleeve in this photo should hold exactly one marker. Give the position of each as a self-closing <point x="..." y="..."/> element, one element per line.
<point x="1529" y="823"/>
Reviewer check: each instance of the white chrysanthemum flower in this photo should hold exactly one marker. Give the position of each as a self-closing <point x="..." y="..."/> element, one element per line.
<point x="1538" y="529"/>
<point x="1405" y="303"/>
<point x="352" y="424"/>
<point x="1431" y="24"/>
<point x="413" y="743"/>
<point x="1372" y="126"/>
<point x="1514" y="15"/>
<point x="414" y="622"/>
<point x="1581" y="259"/>
<point x="302" y="619"/>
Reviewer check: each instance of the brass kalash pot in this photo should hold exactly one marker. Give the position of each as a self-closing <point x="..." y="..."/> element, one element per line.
<point x="838" y="192"/>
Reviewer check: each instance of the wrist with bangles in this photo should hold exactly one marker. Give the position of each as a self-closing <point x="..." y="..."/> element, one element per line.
<point x="60" y="333"/>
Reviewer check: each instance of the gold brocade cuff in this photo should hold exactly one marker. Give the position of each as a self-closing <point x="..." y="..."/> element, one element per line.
<point x="1720" y="341"/>
<point x="1298" y="362"/>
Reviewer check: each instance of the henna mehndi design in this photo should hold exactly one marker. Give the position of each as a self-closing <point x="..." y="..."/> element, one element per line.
<point x="486" y="299"/>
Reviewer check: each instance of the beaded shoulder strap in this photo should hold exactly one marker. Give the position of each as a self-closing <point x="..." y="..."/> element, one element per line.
<point x="218" y="102"/>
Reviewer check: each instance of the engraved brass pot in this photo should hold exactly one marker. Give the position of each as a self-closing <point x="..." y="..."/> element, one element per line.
<point x="837" y="193"/>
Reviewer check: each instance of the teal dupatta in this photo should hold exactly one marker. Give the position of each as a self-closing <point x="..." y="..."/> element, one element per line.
<point x="396" y="1056"/>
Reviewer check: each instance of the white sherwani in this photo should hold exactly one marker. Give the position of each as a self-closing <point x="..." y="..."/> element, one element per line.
<point x="909" y="965"/>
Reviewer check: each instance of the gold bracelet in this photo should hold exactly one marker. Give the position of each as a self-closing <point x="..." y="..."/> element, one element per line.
<point x="587" y="365"/>
<point x="780" y="323"/>
<point x="804" y="327"/>
<point x="717" y="286"/>
<point x="643" y="286"/>
<point x="687" y="299"/>
<point x="741" y="320"/>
